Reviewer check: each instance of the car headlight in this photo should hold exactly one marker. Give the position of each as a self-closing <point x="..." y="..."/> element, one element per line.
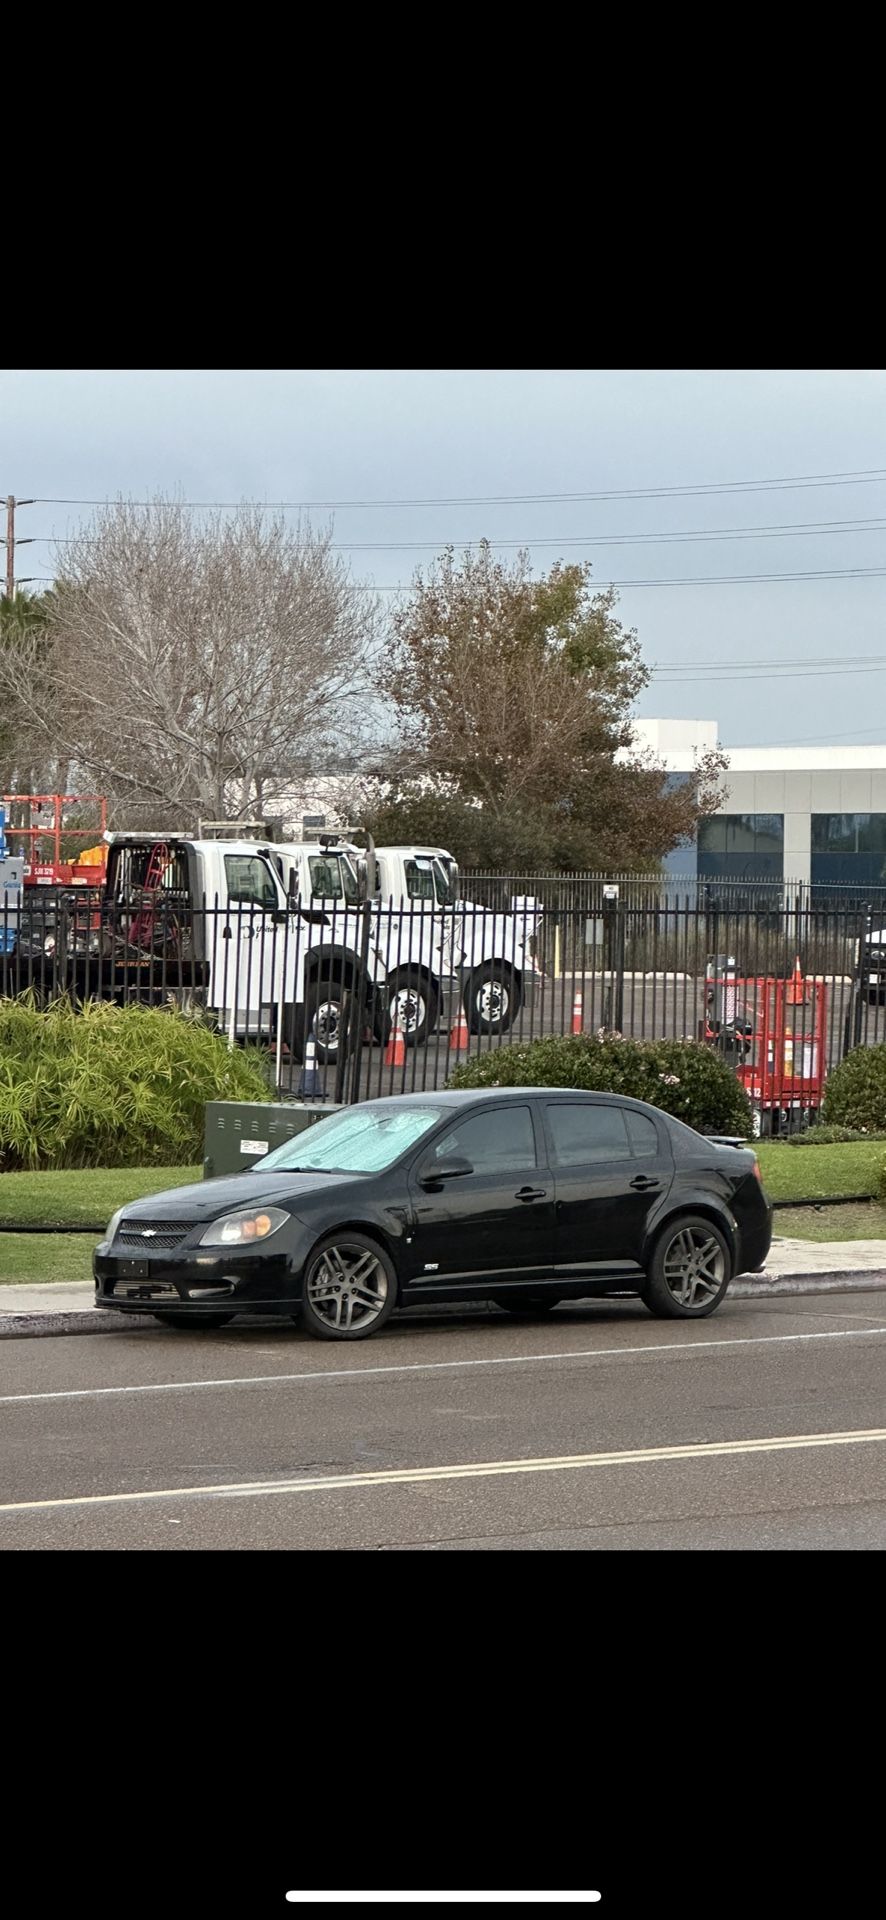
<point x="245" y="1228"/>
<point x="49" y="944"/>
<point x="114" y="1223"/>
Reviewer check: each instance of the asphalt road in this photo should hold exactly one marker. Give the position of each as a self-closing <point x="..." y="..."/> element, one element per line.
<point x="596" y="1428"/>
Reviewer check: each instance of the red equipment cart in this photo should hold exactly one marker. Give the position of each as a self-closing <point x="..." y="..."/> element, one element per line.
<point x="778" y="1031"/>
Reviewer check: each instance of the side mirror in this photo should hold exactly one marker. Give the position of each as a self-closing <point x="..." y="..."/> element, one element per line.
<point x="362" y="879"/>
<point x="434" y="1171"/>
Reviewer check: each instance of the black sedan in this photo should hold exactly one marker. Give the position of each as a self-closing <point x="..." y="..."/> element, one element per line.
<point x="524" y="1197"/>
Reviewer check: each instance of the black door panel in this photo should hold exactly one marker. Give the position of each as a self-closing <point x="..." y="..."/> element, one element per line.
<point x="611" y="1167"/>
<point x="496" y="1223"/>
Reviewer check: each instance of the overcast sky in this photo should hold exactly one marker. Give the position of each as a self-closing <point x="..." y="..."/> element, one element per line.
<point x="449" y="437"/>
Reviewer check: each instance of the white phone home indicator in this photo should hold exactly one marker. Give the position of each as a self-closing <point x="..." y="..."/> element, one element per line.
<point x="537" y="1899"/>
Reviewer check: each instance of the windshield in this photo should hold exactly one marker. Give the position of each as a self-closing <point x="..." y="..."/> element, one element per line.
<point x="362" y="1140"/>
<point x="332" y="877"/>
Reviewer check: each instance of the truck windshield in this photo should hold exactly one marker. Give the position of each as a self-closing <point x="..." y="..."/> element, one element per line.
<point x="363" y="1140"/>
<point x="427" y="879"/>
<point x="332" y="877"/>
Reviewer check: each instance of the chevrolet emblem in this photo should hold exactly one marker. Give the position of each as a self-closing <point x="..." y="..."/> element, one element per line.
<point x="149" y="1233"/>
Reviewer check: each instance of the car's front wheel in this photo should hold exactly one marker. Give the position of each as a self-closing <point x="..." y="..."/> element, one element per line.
<point x="350" y="1288"/>
<point x="689" y="1272"/>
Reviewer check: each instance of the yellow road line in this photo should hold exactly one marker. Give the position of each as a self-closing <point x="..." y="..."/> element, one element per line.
<point x="468" y="1470"/>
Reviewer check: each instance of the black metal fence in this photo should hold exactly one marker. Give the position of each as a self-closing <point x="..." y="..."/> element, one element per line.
<point x="346" y="1003"/>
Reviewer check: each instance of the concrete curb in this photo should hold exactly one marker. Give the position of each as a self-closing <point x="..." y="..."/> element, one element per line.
<point x="29" y="1326"/>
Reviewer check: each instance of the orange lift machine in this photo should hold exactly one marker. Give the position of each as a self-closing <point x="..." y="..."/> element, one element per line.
<point x="36" y="829"/>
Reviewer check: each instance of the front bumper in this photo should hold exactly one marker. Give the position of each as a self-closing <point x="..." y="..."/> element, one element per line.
<point x="197" y="1281"/>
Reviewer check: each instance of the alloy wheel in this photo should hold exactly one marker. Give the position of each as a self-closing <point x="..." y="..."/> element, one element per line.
<point x="348" y="1287"/>
<point x="694" y="1267"/>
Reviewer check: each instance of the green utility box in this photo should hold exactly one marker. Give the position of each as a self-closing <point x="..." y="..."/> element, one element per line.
<point x="238" y="1132"/>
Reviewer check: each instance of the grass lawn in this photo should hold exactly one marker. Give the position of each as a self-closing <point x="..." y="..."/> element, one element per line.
<point x="864" y="1222"/>
<point x="89" y="1195"/>
<point x="34" y="1258"/>
<point x="815" y="1173"/>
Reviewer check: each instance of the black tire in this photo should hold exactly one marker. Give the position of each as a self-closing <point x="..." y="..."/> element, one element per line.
<point x="309" y="1021"/>
<point x="410" y="987"/>
<point x="327" y="1272"/>
<point x="187" y="1322"/>
<point x="493" y="985"/>
<point x="690" y="1270"/>
<point x="530" y="1305"/>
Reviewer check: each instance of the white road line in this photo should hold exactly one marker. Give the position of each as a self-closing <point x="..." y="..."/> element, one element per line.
<point x="349" y="1899"/>
<point x="466" y="1470"/>
<point x="443" y="1366"/>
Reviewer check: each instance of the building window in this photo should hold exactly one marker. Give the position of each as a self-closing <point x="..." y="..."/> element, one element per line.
<point x="737" y="846"/>
<point x="848" y="849"/>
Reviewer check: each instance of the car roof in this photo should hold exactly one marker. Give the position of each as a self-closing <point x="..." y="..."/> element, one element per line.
<point x="472" y="1096"/>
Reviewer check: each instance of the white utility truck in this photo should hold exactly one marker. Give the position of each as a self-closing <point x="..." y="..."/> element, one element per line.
<point x="438" y="952"/>
<point x="215" y="921"/>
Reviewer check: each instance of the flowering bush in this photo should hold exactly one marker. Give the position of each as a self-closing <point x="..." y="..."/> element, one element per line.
<point x="682" y="1077"/>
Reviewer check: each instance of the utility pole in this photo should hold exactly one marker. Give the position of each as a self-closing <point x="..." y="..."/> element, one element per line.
<point x="10" y="546"/>
<point x="11" y="542"/>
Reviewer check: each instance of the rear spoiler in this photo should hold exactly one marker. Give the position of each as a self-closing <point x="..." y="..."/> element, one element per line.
<point x="726" y="1140"/>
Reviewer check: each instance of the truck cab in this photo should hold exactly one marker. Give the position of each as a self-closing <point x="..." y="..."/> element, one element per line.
<point x="438" y="952"/>
<point x="218" y="921"/>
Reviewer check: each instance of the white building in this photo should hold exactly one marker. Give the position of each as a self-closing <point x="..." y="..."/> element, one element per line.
<point x="812" y="814"/>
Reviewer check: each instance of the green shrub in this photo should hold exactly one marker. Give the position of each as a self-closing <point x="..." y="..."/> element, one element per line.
<point x="822" y="1136"/>
<point x="684" y="1078"/>
<point x="855" y="1092"/>
<point x="111" y="1086"/>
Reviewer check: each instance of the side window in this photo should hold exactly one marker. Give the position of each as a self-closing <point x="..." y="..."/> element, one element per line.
<point x="642" y="1133"/>
<point x="249" y="880"/>
<point x="583" y="1134"/>
<point x="499" y="1142"/>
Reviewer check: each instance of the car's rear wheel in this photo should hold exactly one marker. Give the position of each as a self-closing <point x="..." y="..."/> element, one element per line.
<point x="192" y="1322"/>
<point x="350" y="1288"/>
<point x="529" y="1305"/>
<point x="689" y="1272"/>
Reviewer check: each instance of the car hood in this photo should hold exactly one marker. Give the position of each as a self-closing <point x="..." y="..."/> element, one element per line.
<point x="204" y="1199"/>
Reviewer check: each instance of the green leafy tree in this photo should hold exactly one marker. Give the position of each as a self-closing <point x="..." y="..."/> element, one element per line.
<point x="514" y="696"/>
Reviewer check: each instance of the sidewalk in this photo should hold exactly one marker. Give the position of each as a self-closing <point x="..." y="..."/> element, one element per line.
<point x="794" y="1266"/>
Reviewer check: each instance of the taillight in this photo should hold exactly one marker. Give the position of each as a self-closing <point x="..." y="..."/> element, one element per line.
<point x="757" y="1174"/>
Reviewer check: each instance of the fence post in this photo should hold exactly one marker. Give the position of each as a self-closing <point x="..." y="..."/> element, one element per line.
<point x="613" y="958"/>
<point x="852" y="1028"/>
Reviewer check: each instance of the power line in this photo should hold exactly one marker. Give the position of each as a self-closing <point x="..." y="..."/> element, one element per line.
<point x="865" y="476"/>
<point x="782" y="530"/>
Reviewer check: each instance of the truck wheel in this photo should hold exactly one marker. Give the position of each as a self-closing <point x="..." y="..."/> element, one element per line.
<point x="493" y="998"/>
<point x="323" y="1020"/>
<point x="408" y="1001"/>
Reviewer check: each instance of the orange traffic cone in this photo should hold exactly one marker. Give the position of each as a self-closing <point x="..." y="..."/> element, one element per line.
<point x="395" y="1051"/>
<point x="577" y="1014"/>
<point x="796" y="992"/>
<point x="459" y="1036"/>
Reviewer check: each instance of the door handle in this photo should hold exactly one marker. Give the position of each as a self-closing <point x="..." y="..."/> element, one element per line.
<point x="644" y="1183"/>
<point x="531" y="1193"/>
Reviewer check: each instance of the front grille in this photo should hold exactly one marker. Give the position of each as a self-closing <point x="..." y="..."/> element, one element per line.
<point x="151" y="1236"/>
